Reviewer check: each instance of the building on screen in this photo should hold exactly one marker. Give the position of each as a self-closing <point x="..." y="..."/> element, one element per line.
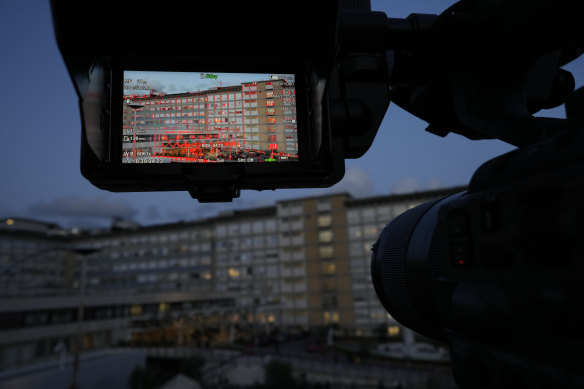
<point x="254" y="120"/>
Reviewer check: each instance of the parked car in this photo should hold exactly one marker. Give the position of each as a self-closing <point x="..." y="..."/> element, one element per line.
<point x="315" y="346"/>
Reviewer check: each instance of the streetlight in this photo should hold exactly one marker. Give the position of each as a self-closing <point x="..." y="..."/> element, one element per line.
<point x="83" y="252"/>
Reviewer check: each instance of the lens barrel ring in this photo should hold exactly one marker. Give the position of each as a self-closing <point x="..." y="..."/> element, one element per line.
<point x="389" y="264"/>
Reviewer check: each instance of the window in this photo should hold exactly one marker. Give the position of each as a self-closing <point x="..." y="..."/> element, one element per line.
<point x="271" y="225"/>
<point x="399" y="208"/>
<point x="329" y="301"/>
<point x="234" y="229"/>
<point x="233" y="272"/>
<point x="325" y="236"/>
<point x="135" y="310"/>
<point x="368" y="214"/>
<point x="371" y="231"/>
<point x="270" y="103"/>
<point x="359" y="299"/>
<point x="356" y="249"/>
<point x="258" y="241"/>
<point x="358" y="264"/>
<point x="325" y="220"/>
<point x="269" y="94"/>
<point x="271" y="120"/>
<point x="330" y="317"/>
<point x="221" y="230"/>
<point x="326" y="251"/>
<point x="355" y="232"/>
<point x="323" y="205"/>
<point x="353" y="216"/>
<point x="328" y="284"/>
<point x="272" y="239"/>
<point x="272" y="270"/>
<point x="246" y="242"/>
<point x="270" y="111"/>
<point x="384" y="213"/>
<point x="328" y="268"/>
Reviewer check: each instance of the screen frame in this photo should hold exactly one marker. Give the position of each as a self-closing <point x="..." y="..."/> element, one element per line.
<point x="320" y="159"/>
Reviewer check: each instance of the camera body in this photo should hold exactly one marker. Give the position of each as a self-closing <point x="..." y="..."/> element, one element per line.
<point x="496" y="271"/>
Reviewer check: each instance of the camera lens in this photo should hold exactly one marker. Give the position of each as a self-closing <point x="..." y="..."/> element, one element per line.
<point x="405" y="268"/>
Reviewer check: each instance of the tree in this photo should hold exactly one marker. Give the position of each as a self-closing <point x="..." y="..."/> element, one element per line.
<point x="192" y="367"/>
<point x="279" y="376"/>
<point x="141" y="378"/>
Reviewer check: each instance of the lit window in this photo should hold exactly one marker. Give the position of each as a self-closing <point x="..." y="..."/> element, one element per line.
<point x="325" y="220"/>
<point x="135" y="310"/>
<point x="370" y="231"/>
<point x="328" y="268"/>
<point x="330" y="317"/>
<point x="325" y="236"/>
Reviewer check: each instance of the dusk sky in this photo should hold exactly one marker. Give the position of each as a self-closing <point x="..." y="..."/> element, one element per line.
<point x="180" y="82"/>
<point x="40" y="138"/>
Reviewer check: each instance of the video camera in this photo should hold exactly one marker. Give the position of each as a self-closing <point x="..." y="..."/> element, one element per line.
<point x="191" y="97"/>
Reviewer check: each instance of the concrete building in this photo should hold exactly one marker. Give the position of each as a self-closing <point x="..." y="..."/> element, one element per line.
<point x="218" y="124"/>
<point x="303" y="263"/>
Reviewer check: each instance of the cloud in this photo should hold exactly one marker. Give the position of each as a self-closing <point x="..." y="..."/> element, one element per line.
<point x="202" y="86"/>
<point x="171" y="88"/>
<point x="84" y="211"/>
<point x="5" y="211"/>
<point x="357" y="182"/>
<point x="152" y="212"/>
<point x="434" y="183"/>
<point x="156" y="85"/>
<point x="405" y="185"/>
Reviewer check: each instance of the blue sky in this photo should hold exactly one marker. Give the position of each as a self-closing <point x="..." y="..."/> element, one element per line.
<point x="178" y="82"/>
<point x="40" y="137"/>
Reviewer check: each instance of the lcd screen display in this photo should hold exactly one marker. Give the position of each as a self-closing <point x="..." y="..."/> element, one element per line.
<point x="208" y="117"/>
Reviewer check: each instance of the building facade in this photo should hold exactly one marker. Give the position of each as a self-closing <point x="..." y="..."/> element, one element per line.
<point x="303" y="263"/>
<point x="254" y="120"/>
